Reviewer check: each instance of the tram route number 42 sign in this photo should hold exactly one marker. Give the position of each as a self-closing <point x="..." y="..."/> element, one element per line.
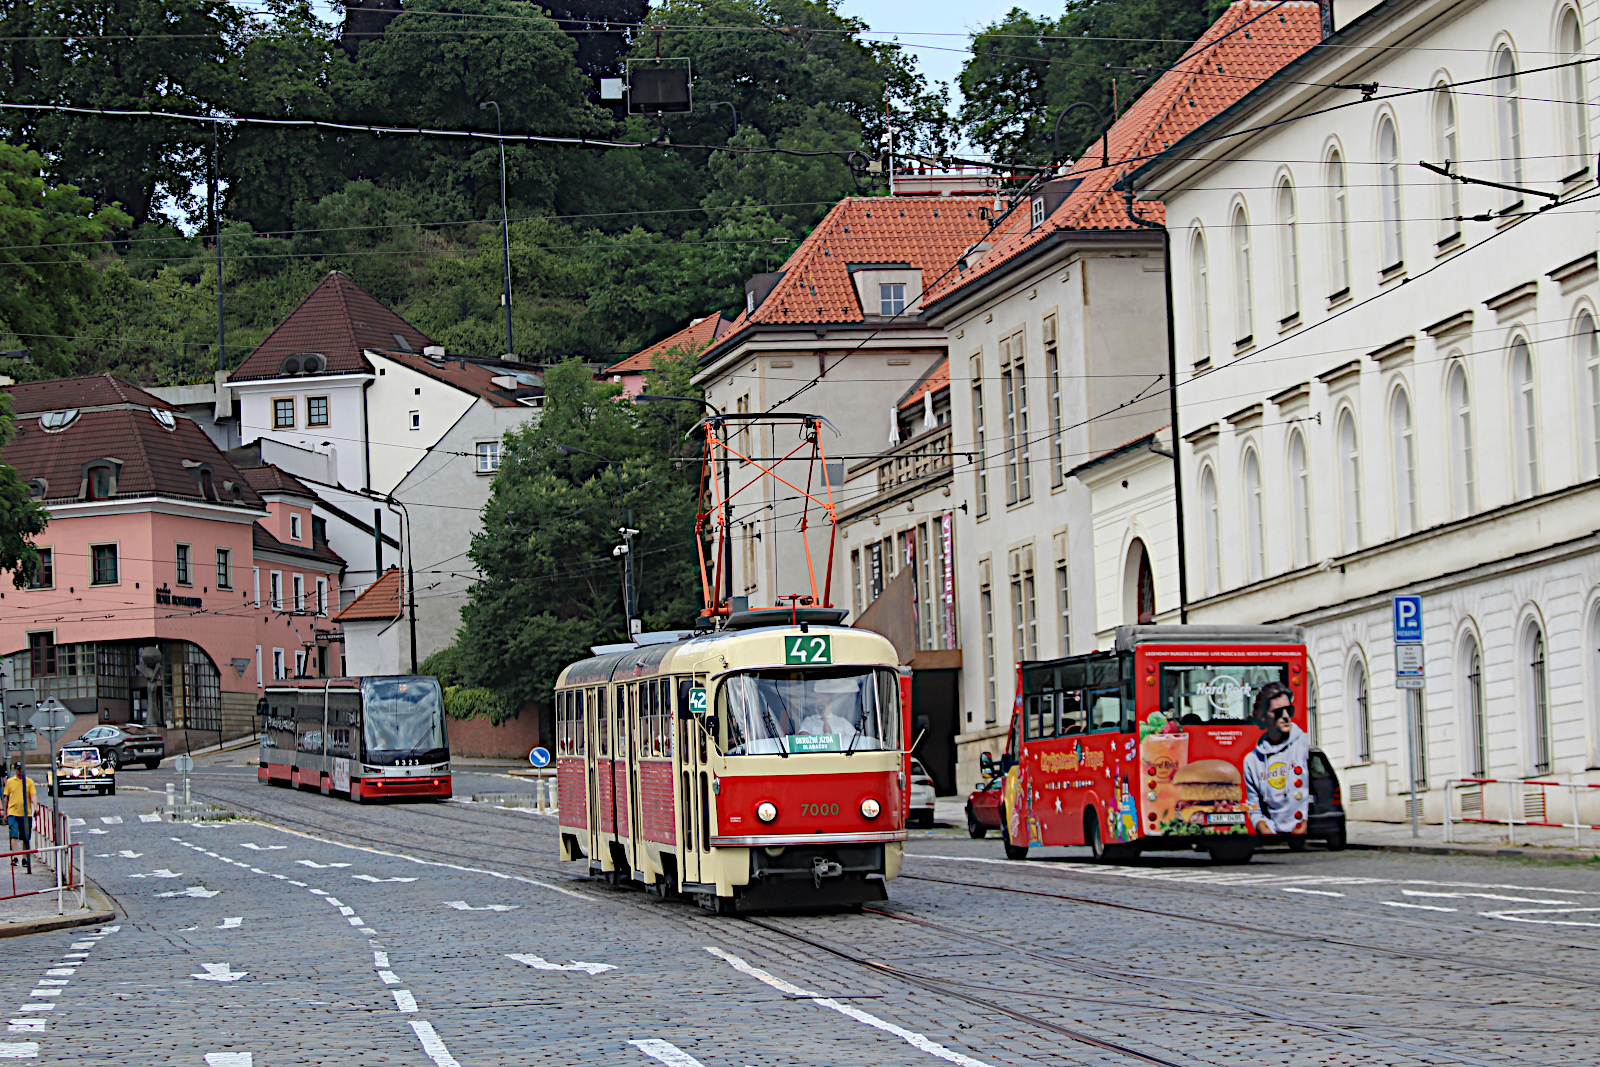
<point x="802" y="650"/>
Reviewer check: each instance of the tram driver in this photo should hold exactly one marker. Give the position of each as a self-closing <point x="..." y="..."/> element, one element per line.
<point x="835" y="710"/>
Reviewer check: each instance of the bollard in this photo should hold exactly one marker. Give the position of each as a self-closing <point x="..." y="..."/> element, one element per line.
<point x="171" y="801"/>
<point x="539" y="793"/>
<point x="187" y="804"/>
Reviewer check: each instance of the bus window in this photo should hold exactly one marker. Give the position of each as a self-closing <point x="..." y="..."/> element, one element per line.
<point x="1193" y="693"/>
<point x="1071" y="706"/>
<point x="1105" y="709"/>
<point x="1041" y="716"/>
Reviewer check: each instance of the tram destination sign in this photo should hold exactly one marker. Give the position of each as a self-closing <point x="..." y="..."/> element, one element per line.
<point x="803" y="650"/>
<point x="813" y="742"/>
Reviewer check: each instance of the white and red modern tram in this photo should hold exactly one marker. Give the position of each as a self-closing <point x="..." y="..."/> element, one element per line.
<point x="367" y="738"/>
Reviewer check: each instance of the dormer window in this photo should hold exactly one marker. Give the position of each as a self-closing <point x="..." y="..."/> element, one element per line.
<point x="1037" y="218"/>
<point x="99" y="479"/>
<point x="56" y="421"/>
<point x="294" y="527"/>
<point x="167" y="420"/>
<point x="38" y="488"/>
<point x="891" y="298"/>
<point x="204" y="480"/>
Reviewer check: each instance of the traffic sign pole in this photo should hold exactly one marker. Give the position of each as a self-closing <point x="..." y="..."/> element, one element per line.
<point x="52" y="719"/>
<point x="1409" y="675"/>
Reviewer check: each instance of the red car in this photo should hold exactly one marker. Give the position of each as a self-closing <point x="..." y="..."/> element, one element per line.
<point x="983" y="807"/>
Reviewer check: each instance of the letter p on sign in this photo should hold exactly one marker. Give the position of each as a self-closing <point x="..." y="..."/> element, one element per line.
<point x="1408" y="619"/>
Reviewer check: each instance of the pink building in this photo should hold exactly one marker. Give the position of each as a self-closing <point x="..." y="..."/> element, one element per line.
<point x="174" y="584"/>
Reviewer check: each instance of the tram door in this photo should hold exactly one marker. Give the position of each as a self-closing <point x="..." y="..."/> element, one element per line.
<point x="592" y="707"/>
<point x="688" y="839"/>
<point x="635" y="749"/>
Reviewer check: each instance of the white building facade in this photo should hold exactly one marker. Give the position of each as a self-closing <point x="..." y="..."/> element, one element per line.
<point x="1389" y="382"/>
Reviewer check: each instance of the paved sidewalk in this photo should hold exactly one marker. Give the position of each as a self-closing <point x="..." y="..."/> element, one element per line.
<point x="1532" y="842"/>
<point x="35" y="913"/>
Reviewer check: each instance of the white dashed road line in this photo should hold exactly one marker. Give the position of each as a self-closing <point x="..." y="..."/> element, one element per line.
<point x="666" y="1052"/>
<point x="229" y="1059"/>
<point x="432" y="1045"/>
<point x="1418" y="907"/>
<point x="910" y="1037"/>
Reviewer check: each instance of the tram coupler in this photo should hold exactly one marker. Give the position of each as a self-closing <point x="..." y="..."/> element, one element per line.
<point x="824" y="868"/>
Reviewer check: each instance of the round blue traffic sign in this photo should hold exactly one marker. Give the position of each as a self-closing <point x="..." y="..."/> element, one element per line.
<point x="539" y="757"/>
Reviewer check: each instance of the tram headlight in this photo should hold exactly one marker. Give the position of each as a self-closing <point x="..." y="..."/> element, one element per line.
<point x="766" y="811"/>
<point x="870" y="808"/>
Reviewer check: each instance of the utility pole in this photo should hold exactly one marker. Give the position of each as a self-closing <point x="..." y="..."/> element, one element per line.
<point x="625" y="550"/>
<point x="505" y="225"/>
<point x="216" y="224"/>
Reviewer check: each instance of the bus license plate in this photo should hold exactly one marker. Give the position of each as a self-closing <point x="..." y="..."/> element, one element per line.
<point x="1226" y="818"/>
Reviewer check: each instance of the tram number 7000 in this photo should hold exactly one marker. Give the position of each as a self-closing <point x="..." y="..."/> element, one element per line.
<point x="803" y="650"/>
<point x="819" y="809"/>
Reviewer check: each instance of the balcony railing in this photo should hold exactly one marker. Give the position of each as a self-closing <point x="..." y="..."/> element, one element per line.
<point x="917" y="460"/>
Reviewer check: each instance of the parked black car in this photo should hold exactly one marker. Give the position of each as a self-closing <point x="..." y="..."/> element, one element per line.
<point x="1327" y="804"/>
<point x="123" y="743"/>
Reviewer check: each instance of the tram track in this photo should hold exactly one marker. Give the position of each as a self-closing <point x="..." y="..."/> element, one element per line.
<point x="1297" y="935"/>
<point x="308" y="817"/>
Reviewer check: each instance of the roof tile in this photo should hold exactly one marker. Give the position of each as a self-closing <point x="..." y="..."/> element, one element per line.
<point x="339" y="319"/>
<point x="690" y="340"/>
<point x="380" y="600"/>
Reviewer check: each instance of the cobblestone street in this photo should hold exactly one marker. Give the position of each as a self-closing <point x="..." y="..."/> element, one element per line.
<point x="314" y="931"/>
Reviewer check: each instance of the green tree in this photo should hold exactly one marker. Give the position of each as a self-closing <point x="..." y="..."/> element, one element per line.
<point x="551" y="587"/>
<point x="47" y="235"/>
<point x="21" y="517"/>
<point x="1025" y="70"/>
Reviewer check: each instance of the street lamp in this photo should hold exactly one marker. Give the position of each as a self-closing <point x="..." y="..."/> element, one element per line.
<point x="727" y="505"/>
<point x="625" y="550"/>
<point x="411" y="577"/>
<point x="505" y="224"/>
<point x="1105" y="132"/>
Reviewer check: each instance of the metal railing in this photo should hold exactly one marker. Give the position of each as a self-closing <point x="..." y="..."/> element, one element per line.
<point x="65" y="862"/>
<point x="917" y="459"/>
<point x="1535" y="807"/>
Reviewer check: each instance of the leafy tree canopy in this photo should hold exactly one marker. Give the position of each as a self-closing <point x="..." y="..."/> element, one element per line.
<point x="21" y="517"/>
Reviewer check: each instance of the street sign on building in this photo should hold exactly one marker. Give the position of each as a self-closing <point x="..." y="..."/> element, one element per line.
<point x="1408" y="619"/>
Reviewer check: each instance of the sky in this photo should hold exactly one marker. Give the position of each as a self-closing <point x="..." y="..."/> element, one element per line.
<point x="937" y="31"/>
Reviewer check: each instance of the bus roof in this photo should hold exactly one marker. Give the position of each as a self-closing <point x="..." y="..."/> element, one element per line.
<point x="1130" y="636"/>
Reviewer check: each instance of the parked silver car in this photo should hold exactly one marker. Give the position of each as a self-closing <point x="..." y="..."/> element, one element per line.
<point x="921" y="813"/>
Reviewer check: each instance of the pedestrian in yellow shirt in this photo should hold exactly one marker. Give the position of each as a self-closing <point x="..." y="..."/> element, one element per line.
<point x="19" y="794"/>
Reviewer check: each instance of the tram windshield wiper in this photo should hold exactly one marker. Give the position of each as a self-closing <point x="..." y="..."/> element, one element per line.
<point x="783" y="742"/>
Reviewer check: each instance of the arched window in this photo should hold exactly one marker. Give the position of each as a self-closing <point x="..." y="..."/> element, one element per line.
<point x="1360" y="714"/>
<point x="1477" y="724"/>
<point x="1243" y="290"/>
<point x="1509" y="106"/>
<point x="1141" y="597"/>
<point x="1525" y="419"/>
<point x="1574" y="101"/>
<point x="1200" y="299"/>
<point x="1405" y="464"/>
<point x="1447" y="146"/>
<point x="1255" y="517"/>
<point x="1539" y="701"/>
<point x="1213" y="535"/>
<point x="1339" y="227"/>
<point x="1300" y="491"/>
<point x="1389" y="189"/>
<point x="1350" y="481"/>
<point x="1588" y="345"/>
<point x="1464" y="477"/>
<point x="1288" y="253"/>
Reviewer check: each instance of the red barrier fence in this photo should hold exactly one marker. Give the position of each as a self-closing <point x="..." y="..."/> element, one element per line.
<point x="1531" y="796"/>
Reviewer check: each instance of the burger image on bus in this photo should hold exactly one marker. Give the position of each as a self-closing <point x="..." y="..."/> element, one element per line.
<point x="1210" y="793"/>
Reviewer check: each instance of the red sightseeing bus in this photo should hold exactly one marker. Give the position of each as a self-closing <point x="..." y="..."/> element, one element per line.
<point x="1181" y="737"/>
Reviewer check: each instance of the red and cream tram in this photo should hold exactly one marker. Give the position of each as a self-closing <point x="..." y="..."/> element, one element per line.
<point x="758" y="766"/>
<point x="366" y="738"/>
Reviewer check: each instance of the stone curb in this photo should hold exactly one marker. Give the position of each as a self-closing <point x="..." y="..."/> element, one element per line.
<point x="1549" y="855"/>
<point x="102" y="912"/>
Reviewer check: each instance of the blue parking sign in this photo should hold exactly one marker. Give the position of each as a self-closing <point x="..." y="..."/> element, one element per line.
<point x="1408" y="619"/>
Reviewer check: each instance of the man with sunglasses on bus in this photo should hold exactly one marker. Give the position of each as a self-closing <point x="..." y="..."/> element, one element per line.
<point x="1276" y="791"/>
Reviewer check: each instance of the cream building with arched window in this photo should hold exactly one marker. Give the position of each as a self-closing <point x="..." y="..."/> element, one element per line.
<point x="1394" y="386"/>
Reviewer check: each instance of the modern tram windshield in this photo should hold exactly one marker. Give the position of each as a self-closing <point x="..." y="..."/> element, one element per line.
<point x="403" y="721"/>
<point x="794" y="712"/>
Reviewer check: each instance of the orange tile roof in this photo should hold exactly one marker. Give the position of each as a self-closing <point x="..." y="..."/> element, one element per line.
<point x="1217" y="71"/>
<point x="926" y="232"/>
<point x="934" y="381"/>
<point x="380" y="600"/>
<point x="690" y="340"/>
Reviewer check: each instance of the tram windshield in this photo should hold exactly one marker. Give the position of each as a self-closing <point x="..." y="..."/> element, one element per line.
<point x="794" y="712"/>
<point x="403" y="721"/>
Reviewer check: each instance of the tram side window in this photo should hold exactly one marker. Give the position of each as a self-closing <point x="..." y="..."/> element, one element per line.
<point x="652" y="698"/>
<point x="667" y="719"/>
<point x="602" y="724"/>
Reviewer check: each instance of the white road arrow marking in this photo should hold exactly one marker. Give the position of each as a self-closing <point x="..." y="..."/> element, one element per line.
<point x="74" y="822"/>
<point x="150" y="817"/>
<point x="128" y="853"/>
<point x="161" y="872"/>
<point x="1417" y="907"/>
<point x="370" y="878"/>
<point x="319" y="866"/>
<point x="666" y="1052"/>
<point x="461" y="905"/>
<point x="539" y="963"/>
<point x="1484" y="896"/>
<point x="229" y="1059"/>
<point x="18" y="1050"/>
<point x="230" y="924"/>
<point x="1522" y="915"/>
<point x="111" y="820"/>
<point x="261" y="848"/>
<point x="192" y="891"/>
<point x="219" y="972"/>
